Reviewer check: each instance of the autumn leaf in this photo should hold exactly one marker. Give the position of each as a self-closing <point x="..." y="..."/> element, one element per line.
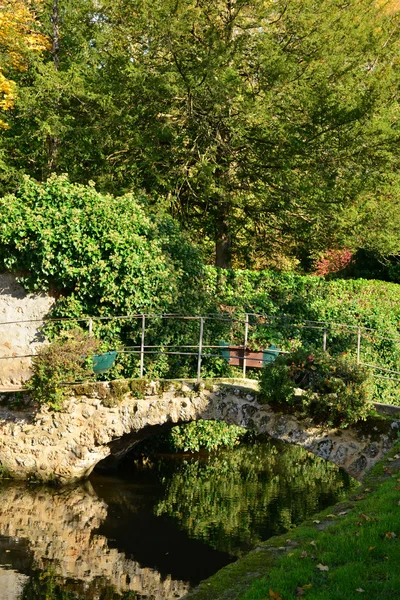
<point x="312" y="543"/>
<point x="275" y="595"/>
<point x="17" y="37"/>
<point x="344" y="512"/>
<point x="301" y="590"/>
<point x="390" y="534"/>
<point x="371" y="548"/>
<point x="360" y="590"/>
<point x="303" y="554"/>
<point x="316" y="521"/>
<point x="322" y="567"/>
<point x="365" y="517"/>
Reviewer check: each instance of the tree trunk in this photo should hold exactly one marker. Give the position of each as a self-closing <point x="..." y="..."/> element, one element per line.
<point x="223" y="243"/>
<point x="53" y="141"/>
<point x="55" y="19"/>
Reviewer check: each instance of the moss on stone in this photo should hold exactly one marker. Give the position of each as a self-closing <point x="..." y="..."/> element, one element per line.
<point x="4" y="472"/>
<point x="85" y="389"/>
<point x="119" y="388"/>
<point x="232" y="580"/>
<point x="374" y="427"/>
<point x="138" y="387"/>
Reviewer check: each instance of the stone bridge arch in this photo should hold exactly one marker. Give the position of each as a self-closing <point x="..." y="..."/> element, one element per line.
<point x="102" y="422"/>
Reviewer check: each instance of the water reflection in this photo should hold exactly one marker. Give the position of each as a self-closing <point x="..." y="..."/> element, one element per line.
<point x="235" y="499"/>
<point x="156" y="529"/>
<point x="61" y="547"/>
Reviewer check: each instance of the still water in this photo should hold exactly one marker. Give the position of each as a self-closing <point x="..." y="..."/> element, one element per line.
<point x="158" y="528"/>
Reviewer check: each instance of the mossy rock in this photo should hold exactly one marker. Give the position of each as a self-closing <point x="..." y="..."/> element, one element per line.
<point x="138" y="387"/>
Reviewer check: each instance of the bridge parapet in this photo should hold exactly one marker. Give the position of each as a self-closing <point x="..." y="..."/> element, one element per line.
<point x="102" y="422"/>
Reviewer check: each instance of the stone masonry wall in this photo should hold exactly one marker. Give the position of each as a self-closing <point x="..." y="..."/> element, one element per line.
<point x="16" y="338"/>
<point x="67" y="445"/>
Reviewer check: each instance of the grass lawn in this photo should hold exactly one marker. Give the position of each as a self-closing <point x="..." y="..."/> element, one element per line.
<point x="353" y="552"/>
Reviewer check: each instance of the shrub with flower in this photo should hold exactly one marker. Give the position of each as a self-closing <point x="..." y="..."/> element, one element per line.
<point x="330" y="389"/>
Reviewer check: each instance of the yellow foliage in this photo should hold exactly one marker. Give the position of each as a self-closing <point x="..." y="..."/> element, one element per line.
<point x="18" y="37"/>
<point x="390" y="6"/>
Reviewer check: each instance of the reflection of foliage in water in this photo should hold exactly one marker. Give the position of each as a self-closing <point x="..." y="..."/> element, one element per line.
<point x="45" y="585"/>
<point x="233" y="499"/>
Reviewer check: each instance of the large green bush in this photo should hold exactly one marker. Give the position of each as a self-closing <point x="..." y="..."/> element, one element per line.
<point x="333" y="390"/>
<point x="207" y="435"/>
<point x="99" y="254"/>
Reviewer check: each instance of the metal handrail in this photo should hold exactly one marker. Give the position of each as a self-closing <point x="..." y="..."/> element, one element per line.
<point x="200" y="347"/>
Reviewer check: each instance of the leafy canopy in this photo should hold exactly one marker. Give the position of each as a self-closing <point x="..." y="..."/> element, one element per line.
<point x="100" y="254"/>
<point x="262" y="125"/>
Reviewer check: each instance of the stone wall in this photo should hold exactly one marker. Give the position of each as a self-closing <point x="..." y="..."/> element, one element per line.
<point x="17" y="338"/>
<point x="67" y="445"/>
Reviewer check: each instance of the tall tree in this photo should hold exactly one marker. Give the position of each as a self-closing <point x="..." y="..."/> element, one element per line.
<point x="265" y="116"/>
<point x="18" y="37"/>
<point x="260" y="123"/>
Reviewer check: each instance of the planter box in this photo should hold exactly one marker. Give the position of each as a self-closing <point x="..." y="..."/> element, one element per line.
<point x="103" y="362"/>
<point x="235" y="355"/>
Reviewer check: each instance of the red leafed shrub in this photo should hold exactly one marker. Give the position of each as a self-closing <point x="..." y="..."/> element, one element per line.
<point x="333" y="261"/>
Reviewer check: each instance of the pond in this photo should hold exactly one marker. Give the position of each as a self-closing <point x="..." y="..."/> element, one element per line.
<point x="158" y="527"/>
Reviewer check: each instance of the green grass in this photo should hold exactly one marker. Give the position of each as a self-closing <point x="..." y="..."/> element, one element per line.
<point x="361" y="550"/>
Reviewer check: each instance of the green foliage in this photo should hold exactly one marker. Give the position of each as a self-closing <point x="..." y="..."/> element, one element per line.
<point x="289" y="299"/>
<point x="66" y="360"/>
<point x="97" y="252"/>
<point x="195" y="436"/>
<point x="262" y="123"/>
<point x="207" y="435"/>
<point x="100" y="256"/>
<point x="105" y="256"/>
<point x="332" y="390"/>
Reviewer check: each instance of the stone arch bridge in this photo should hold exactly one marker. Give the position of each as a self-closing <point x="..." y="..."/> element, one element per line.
<point x="102" y="422"/>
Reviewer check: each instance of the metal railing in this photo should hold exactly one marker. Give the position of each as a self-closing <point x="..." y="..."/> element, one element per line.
<point x="243" y="332"/>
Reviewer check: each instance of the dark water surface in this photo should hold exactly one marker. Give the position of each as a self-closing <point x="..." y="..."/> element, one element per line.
<point x="157" y="529"/>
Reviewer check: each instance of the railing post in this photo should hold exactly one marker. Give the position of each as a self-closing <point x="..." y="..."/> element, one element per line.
<point x="324" y="343"/>
<point x="246" y="335"/>
<point x="200" y="349"/>
<point x="142" y="346"/>
<point x="90" y="327"/>
<point x="358" y="345"/>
